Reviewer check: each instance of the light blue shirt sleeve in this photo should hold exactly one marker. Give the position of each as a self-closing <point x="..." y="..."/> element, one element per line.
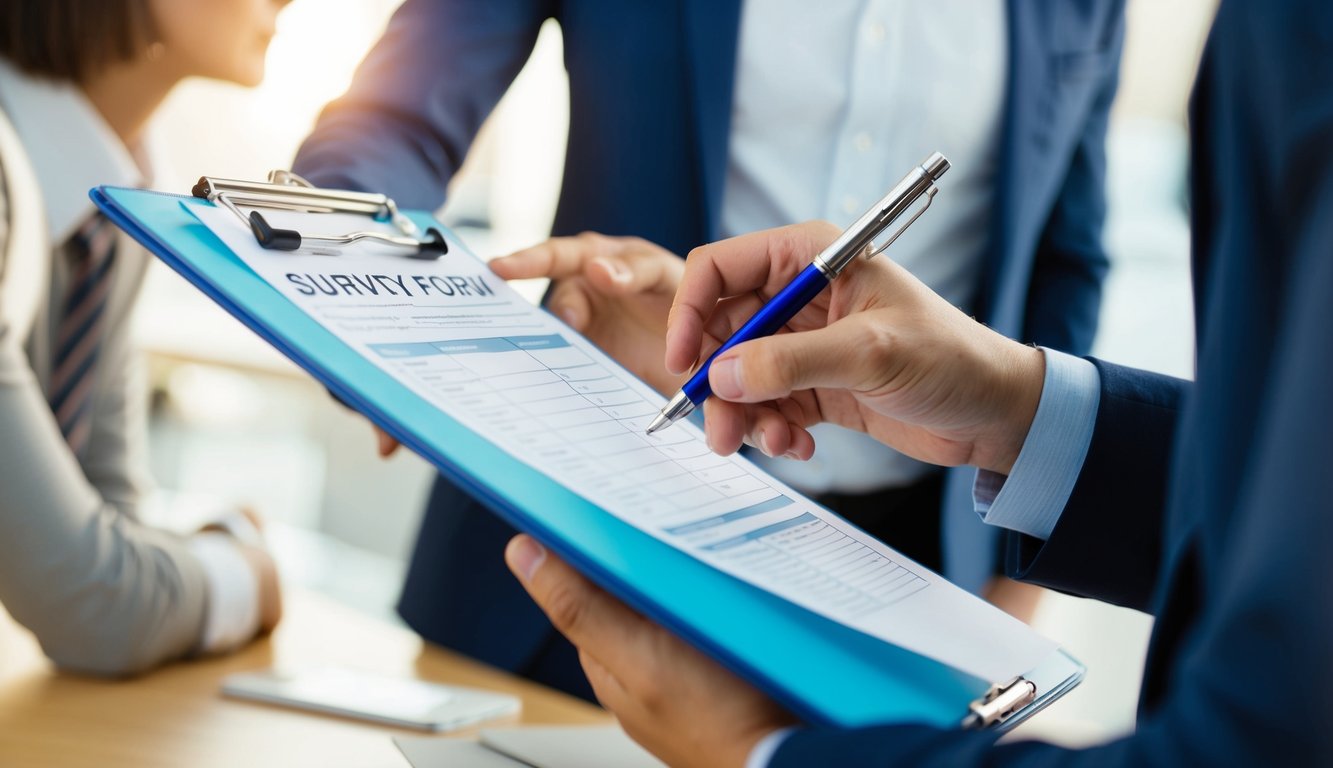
<point x="1034" y="494"/>
<point x="767" y="747"/>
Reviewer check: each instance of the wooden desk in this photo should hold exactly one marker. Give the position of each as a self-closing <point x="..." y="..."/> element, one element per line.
<point x="175" y="716"/>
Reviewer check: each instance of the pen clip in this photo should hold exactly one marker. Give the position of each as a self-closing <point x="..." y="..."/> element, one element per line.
<point x="871" y="251"/>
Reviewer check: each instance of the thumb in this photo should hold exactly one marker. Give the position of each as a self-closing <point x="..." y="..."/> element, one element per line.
<point x="570" y="303"/>
<point x="593" y="620"/>
<point x="773" y="367"/>
<point x="387" y="444"/>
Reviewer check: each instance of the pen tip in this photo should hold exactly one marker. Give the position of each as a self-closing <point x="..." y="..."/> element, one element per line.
<point x="659" y="421"/>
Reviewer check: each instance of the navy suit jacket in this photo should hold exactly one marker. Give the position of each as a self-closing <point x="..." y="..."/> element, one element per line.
<point x="1212" y="507"/>
<point x="651" y="93"/>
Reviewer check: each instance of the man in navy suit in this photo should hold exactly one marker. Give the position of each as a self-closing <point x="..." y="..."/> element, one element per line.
<point x="688" y="123"/>
<point x="1208" y="505"/>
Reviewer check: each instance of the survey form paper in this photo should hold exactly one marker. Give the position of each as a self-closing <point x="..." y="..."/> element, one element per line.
<point x="465" y="341"/>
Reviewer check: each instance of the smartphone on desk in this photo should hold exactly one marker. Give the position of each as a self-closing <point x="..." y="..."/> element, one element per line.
<point x="367" y="696"/>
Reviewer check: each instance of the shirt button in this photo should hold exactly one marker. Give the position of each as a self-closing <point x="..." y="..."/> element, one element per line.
<point x="876" y="32"/>
<point x="850" y="204"/>
<point x="863" y="142"/>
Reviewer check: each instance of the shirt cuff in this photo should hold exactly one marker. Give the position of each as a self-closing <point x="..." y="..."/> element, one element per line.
<point x="763" y="752"/>
<point x="232" y="614"/>
<point x="1031" y="499"/>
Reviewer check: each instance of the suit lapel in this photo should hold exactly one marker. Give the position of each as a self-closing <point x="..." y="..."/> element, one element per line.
<point x="1022" y="105"/>
<point x="711" y="33"/>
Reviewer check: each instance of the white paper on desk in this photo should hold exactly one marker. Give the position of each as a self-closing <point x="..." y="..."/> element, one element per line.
<point x="560" y="746"/>
<point x="569" y="746"/>
<point x="466" y="342"/>
<point x="446" y="752"/>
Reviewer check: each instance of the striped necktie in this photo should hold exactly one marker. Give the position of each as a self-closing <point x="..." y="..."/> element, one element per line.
<point x="92" y="252"/>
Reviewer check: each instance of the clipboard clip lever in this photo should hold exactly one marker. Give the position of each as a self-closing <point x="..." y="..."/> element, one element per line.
<point x="1000" y="703"/>
<point x="287" y="191"/>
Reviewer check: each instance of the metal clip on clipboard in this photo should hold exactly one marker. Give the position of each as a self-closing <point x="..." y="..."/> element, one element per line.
<point x="286" y="191"/>
<point x="1000" y="703"/>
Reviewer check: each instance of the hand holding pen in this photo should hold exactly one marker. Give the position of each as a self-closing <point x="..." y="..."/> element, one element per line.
<point x="878" y="353"/>
<point x="857" y="240"/>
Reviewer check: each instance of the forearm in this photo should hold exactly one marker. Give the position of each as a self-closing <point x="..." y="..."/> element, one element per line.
<point x="101" y="592"/>
<point x="364" y="148"/>
<point x="405" y="124"/>
<point x="137" y="601"/>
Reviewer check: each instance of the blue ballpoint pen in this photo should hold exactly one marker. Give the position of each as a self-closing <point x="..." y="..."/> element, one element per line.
<point x="857" y="239"/>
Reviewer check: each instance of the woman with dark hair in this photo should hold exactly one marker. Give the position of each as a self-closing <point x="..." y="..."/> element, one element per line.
<point x="79" y="81"/>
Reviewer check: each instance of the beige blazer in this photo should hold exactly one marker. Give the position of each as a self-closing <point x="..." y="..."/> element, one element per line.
<point x="101" y="592"/>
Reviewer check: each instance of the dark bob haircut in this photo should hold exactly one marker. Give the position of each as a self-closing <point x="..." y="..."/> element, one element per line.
<point x="73" y="39"/>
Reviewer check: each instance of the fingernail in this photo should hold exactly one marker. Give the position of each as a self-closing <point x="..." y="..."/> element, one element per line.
<point x="725" y="377"/>
<point x="790" y="455"/>
<point x="570" y="317"/>
<point x="671" y="333"/>
<point x="525" y="555"/>
<point x="618" y="271"/>
<point x="763" y="443"/>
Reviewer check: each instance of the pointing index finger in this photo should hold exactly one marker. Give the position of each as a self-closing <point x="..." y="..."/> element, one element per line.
<point x="557" y="258"/>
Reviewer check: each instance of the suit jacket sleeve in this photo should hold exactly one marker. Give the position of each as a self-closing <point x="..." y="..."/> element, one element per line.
<point x="1107" y="543"/>
<point x="102" y="593"/>
<point x="1065" y="290"/>
<point x="416" y="102"/>
<point x="1246" y="680"/>
<point x="1249" y="684"/>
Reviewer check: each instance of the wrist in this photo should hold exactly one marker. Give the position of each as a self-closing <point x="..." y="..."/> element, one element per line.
<point x="239" y="525"/>
<point x="232" y="611"/>
<point x="269" y="590"/>
<point x="242" y="528"/>
<point x="1021" y="379"/>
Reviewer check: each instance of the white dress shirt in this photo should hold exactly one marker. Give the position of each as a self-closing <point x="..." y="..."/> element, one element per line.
<point x="834" y="103"/>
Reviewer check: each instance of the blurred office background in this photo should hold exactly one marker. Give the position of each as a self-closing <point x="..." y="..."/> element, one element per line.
<point x="234" y="422"/>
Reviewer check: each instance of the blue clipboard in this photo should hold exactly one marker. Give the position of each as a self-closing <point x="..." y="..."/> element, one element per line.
<point x="823" y="672"/>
